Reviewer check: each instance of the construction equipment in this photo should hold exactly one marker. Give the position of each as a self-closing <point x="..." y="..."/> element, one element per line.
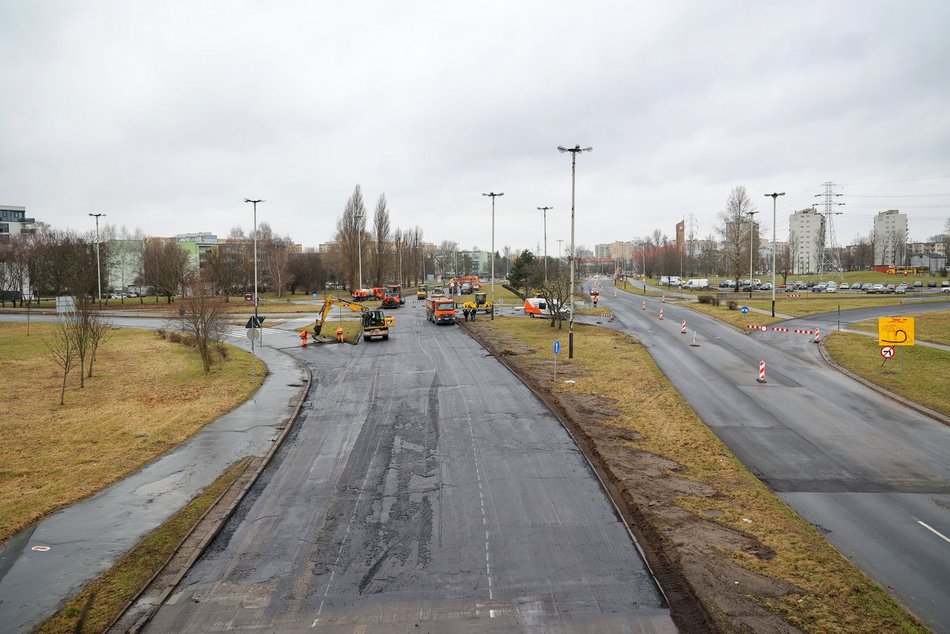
<point x="440" y="310"/>
<point x="479" y="302"/>
<point x="375" y="323"/>
<point x="422" y="293"/>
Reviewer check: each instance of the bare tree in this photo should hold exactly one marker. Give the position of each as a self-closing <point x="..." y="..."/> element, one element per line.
<point x="61" y="350"/>
<point x="205" y="318"/>
<point x="166" y="266"/>
<point x="381" y="242"/>
<point x="734" y="230"/>
<point x="555" y="290"/>
<point x="350" y="231"/>
<point x="275" y="255"/>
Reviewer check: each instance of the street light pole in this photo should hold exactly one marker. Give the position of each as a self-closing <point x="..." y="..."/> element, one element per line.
<point x="774" y="196"/>
<point x="98" y="266"/>
<point x="493" y="196"/>
<point x="574" y="152"/>
<point x="545" y="210"/>
<point x="257" y="323"/>
<point x="751" y="231"/>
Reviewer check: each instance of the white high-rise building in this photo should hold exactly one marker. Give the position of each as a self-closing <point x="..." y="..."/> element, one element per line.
<point x="890" y="238"/>
<point x="806" y="238"/>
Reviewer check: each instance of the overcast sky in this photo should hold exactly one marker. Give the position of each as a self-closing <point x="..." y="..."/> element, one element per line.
<point x="166" y="115"/>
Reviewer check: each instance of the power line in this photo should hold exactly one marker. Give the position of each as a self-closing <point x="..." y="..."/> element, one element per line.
<point x="899" y="180"/>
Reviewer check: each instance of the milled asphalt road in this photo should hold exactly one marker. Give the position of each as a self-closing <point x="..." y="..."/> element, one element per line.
<point x="871" y="474"/>
<point x="87" y="538"/>
<point x="423" y="486"/>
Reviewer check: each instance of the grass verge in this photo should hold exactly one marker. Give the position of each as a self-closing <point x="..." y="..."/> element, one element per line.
<point x="732" y="518"/>
<point x="917" y="373"/>
<point x="146" y="396"/>
<point x="102" y="601"/>
<point x="932" y="326"/>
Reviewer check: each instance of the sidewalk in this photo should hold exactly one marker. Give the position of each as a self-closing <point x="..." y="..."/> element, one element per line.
<point x="87" y="538"/>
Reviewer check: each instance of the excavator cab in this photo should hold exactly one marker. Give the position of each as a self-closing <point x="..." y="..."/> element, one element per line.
<point x="374" y="318"/>
<point x="481" y="298"/>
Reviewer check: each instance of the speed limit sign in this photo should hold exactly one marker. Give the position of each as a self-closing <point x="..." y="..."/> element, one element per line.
<point x="887" y="351"/>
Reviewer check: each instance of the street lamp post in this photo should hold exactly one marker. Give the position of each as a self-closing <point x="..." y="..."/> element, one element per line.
<point x="751" y="231"/>
<point x="98" y="266"/>
<point x="774" y="196"/>
<point x="574" y="152"/>
<point x="545" y="210"/>
<point x="257" y="322"/>
<point x="493" y="196"/>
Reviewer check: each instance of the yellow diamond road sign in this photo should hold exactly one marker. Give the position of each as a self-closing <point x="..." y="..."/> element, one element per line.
<point x="895" y="331"/>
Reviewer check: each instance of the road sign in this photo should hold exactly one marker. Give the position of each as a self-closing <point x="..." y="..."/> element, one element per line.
<point x="745" y="310"/>
<point x="254" y="334"/>
<point x="557" y="346"/>
<point x="895" y="331"/>
<point x="887" y="351"/>
<point x="250" y="322"/>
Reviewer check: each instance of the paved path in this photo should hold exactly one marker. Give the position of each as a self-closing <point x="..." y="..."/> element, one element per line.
<point x="87" y="538"/>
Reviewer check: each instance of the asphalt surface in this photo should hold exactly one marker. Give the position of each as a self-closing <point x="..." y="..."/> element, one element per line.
<point x="86" y="539"/>
<point x="871" y="474"/>
<point x="422" y="489"/>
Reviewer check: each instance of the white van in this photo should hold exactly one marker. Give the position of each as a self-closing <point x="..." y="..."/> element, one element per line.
<point x="670" y="280"/>
<point x="697" y="284"/>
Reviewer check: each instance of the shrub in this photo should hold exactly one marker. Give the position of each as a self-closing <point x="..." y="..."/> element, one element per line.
<point x="161" y="332"/>
<point x="732" y="305"/>
<point x="174" y="337"/>
<point x="705" y="299"/>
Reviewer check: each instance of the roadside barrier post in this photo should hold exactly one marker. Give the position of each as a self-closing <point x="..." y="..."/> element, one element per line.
<point x="761" y="378"/>
<point x="683" y="328"/>
<point x="661" y="312"/>
<point x="643" y="306"/>
<point x="817" y="336"/>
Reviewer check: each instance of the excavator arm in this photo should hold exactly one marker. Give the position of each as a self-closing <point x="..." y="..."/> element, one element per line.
<point x="328" y="303"/>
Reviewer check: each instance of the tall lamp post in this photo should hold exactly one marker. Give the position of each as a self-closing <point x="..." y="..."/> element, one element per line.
<point x="751" y="251"/>
<point x="493" y="196"/>
<point x="574" y="152"/>
<point x="98" y="266"/>
<point x="257" y="321"/>
<point x="774" y="196"/>
<point x="545" y="210"/>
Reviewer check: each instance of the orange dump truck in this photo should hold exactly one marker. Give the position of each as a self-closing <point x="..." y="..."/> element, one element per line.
<point x="440" y="310"/>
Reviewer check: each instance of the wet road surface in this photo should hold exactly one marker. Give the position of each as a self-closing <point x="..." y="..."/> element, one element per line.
<point x="871" y="474"/>
<point x="423" y="485"/>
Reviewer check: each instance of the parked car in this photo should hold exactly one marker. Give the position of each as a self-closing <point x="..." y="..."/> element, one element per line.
<point x="877" y="288"/>
<point x="844" y="286"/>
<point x="766" y="286"/>
<point x="918" y="284"/>
<point x="831" y="287"/>
<point x="945" y="284"/>
<point x="901" y="289"/>
<point x="931" y="283"/>
<point x="866" y="287"/>
<point x="946" y="289"/>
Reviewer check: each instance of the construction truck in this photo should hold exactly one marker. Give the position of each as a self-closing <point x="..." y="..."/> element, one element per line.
<point x="440" y="310"/>
<point x="479" y="302"/>
<point x="375" y="323"/>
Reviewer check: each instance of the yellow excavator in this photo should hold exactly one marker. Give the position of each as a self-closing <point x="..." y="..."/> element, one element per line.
<point x="375" y="323"/>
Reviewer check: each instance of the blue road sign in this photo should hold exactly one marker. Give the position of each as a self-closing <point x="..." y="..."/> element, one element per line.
<point x="745" y="310"/>
<point x="557" y="346"/>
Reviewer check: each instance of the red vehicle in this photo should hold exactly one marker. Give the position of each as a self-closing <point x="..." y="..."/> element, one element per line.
<point x="440" y="310"/>
<point x="392" y="300"/>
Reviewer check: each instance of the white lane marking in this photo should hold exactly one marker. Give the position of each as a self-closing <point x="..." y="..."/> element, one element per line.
<point x="934" y="531"/>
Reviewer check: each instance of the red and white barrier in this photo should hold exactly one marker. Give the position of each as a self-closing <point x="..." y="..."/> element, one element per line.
<point x="779" y="329"/>
<point x="643" y="306"/>
<point x="661" y="312"/>
<point x="817" y="336"/>
<point x="761" y="378"/>
<point x="683" y="328"/>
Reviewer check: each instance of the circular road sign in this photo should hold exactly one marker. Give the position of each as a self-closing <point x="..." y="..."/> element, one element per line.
<point x="254" y="334"/>
<point x="745" y="310"/>
<point x="887" y="351"/>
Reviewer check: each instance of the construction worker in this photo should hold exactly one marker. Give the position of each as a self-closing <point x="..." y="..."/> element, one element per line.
<point x="303" y="337"/>
<point x="595" y="300"/>
<point x="465" y="311"/>
<point x="339" y="334"/>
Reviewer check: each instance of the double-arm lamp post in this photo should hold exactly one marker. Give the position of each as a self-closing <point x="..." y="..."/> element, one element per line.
<point x="774" y="196"/>
<point x="574" y="152"/>
<point x="493" y="196"/>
